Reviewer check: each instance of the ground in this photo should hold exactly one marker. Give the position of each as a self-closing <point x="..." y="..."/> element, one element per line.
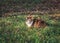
<point x="14" y="30"/>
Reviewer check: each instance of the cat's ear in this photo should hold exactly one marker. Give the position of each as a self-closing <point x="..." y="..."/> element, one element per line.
<point x="26" y="18"/>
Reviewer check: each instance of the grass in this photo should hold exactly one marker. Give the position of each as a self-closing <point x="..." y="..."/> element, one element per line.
<point x="14" y="30"/>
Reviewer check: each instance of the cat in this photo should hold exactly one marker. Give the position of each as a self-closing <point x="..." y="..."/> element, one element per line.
<point x="34" y="22"/>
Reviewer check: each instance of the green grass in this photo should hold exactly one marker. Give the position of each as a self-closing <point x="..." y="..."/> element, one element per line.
<point x="14" y="30"/>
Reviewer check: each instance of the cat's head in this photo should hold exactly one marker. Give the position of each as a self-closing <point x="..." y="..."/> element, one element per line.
<point x="29" y="17"/>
